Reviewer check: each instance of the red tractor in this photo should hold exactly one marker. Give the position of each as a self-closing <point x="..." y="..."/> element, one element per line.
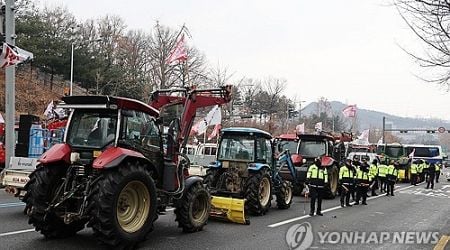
<point x="309" y="147"/>
<point x="114" y="172"/>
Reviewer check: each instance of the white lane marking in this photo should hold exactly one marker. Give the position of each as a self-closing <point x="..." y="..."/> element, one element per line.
<point x="17" y="232"/>
<point x="32" y="229"/>
<point x="12" y="204"/>
<point x="326" y="210"/>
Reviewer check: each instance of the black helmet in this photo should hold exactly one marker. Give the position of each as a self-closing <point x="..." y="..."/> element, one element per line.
<point x="318" y="162"/>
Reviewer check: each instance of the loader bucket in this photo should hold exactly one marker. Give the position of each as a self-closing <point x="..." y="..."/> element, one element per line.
<point x="231" y="209"/>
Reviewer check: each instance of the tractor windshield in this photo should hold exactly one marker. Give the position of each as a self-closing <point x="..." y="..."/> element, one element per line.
<point x="92" y="128"/>
<point x="236" y="148"/>
<point x="312" y="148"/>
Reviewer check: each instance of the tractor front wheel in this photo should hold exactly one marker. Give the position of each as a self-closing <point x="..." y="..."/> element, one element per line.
<point x="123" y="205"/>
<point x="284" y="195"/>
<point x="258" y="193"/>
<point x="192" y="210"/>
<point x="333" y="179"/>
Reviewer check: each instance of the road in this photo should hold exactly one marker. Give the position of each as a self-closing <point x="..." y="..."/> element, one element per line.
<point x="412" y="209"/>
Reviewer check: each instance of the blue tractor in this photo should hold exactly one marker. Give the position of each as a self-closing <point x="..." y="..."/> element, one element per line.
<point x="246" y="169"/>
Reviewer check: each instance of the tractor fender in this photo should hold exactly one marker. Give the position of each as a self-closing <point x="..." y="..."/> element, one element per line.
<point x="191" y="180"/>
<point x="114" y="156"/>
<point x="215" y="165"/>
<point x="257" y="166"/>
<point x="327" y="161"/>
<point x="57" y="153"/>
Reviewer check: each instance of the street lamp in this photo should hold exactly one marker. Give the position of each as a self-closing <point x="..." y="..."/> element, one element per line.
<point x="71" y="62"/>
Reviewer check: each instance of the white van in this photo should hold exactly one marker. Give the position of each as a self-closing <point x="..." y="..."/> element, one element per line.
<point x="201" y="156"/>
<point x="359" y="156"/>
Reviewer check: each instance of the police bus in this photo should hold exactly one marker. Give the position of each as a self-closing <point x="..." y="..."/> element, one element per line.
<point x="430" y="153"/>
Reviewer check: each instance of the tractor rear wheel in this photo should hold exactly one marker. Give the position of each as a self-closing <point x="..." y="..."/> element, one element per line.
<point x="258" y="193"/>
<point x="192" y="210"/>
<point x="333" y="179"/>
<point x="284" y="195"/>
<point x="123" y="205"/>
<point x="41" y="189"/>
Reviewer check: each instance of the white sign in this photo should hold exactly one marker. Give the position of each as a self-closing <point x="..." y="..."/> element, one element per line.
<point x="22" y="163"/>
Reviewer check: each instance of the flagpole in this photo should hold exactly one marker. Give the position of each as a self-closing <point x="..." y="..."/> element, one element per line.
<point x="10" y="83"/>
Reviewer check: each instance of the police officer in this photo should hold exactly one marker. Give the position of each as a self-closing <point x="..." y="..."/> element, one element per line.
<point x="391" y="177"/>
<point x="363" y="179"/>
<point x="346" y="179"/>
<point x="316" y="178"/>
<point x="420" y="173"/>
<point x="382" y="168"/>
<point x="438" y="171"/>
<point x="425" y="166"/>
<point x="413" y="170"/>
<point x="431" y="175"/>
<point x="373" y="172"/>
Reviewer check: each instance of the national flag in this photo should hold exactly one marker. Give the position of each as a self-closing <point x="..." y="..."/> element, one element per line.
<point x="300" y="129"/>
<point x="318" y="126"/>
<point x="13" y="55"/>
<point x="349" y="111"/>
<point x="49" y="111"/>
<point x="380" y="141"/>
<point x="1" y="119"/>
<point x="213" y="117"/>
<point x="412" y="153"/>
<point x="364" y="136"/>
<point x="215" y="132"/>
<point x="179" y="52"/>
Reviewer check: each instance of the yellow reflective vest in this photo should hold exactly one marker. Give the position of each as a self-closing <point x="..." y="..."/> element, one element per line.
<point x="382" y="170"/>
<point x="373" y="170"/>
<point x="438" y="167"/>
<point x="316" y="177"/>
<point x="413" y="169"/>
<point x="363" y="177"/>
<point x="346" y="175"/>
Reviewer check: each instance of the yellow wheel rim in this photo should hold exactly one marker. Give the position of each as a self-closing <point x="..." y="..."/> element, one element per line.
<point x="264" y="191"/>
<point x="200" y="208"/>
<point x="133" y="206"/>
<point x="288" y="194"/>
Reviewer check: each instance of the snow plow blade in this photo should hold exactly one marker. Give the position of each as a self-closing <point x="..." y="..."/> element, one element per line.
<point x="231" y="209"/>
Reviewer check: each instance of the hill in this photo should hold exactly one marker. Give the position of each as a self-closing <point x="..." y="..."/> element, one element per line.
<point x="374" y="119"/>
<point x="34" y="90"/>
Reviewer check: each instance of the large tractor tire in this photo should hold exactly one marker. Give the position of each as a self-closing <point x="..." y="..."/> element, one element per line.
<point x="331" y="189"/>
<point x="258" y="193"/>
<point x="41" y="189"/>
<point x="123" y="205"/>
<point x="192" y="210"/>
<point x="284" y="195"/>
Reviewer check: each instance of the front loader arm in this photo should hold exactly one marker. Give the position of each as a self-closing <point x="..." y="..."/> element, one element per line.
<point x="192" y="99"/>
<point x="200" y="99"/>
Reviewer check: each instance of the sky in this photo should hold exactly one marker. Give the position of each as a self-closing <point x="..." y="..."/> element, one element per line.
<point x="348" y="51"/>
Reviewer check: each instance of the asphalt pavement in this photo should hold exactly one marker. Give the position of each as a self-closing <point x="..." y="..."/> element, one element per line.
<point x="413" y="210"/>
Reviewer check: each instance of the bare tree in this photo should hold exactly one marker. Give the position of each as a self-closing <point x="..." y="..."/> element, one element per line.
<point x="192" y="72"/>
<point x="430" y="21"/>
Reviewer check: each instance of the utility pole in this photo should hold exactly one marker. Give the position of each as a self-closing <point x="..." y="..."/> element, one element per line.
<point x="10" y="83"/>
<point x="384" y="129"/>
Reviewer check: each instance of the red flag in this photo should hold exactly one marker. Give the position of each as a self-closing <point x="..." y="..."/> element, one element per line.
<point x="215" y="132"/>
<point x="179" y="52"/>
<point x="12" y="56"/>
<point x="349" y="111"/>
